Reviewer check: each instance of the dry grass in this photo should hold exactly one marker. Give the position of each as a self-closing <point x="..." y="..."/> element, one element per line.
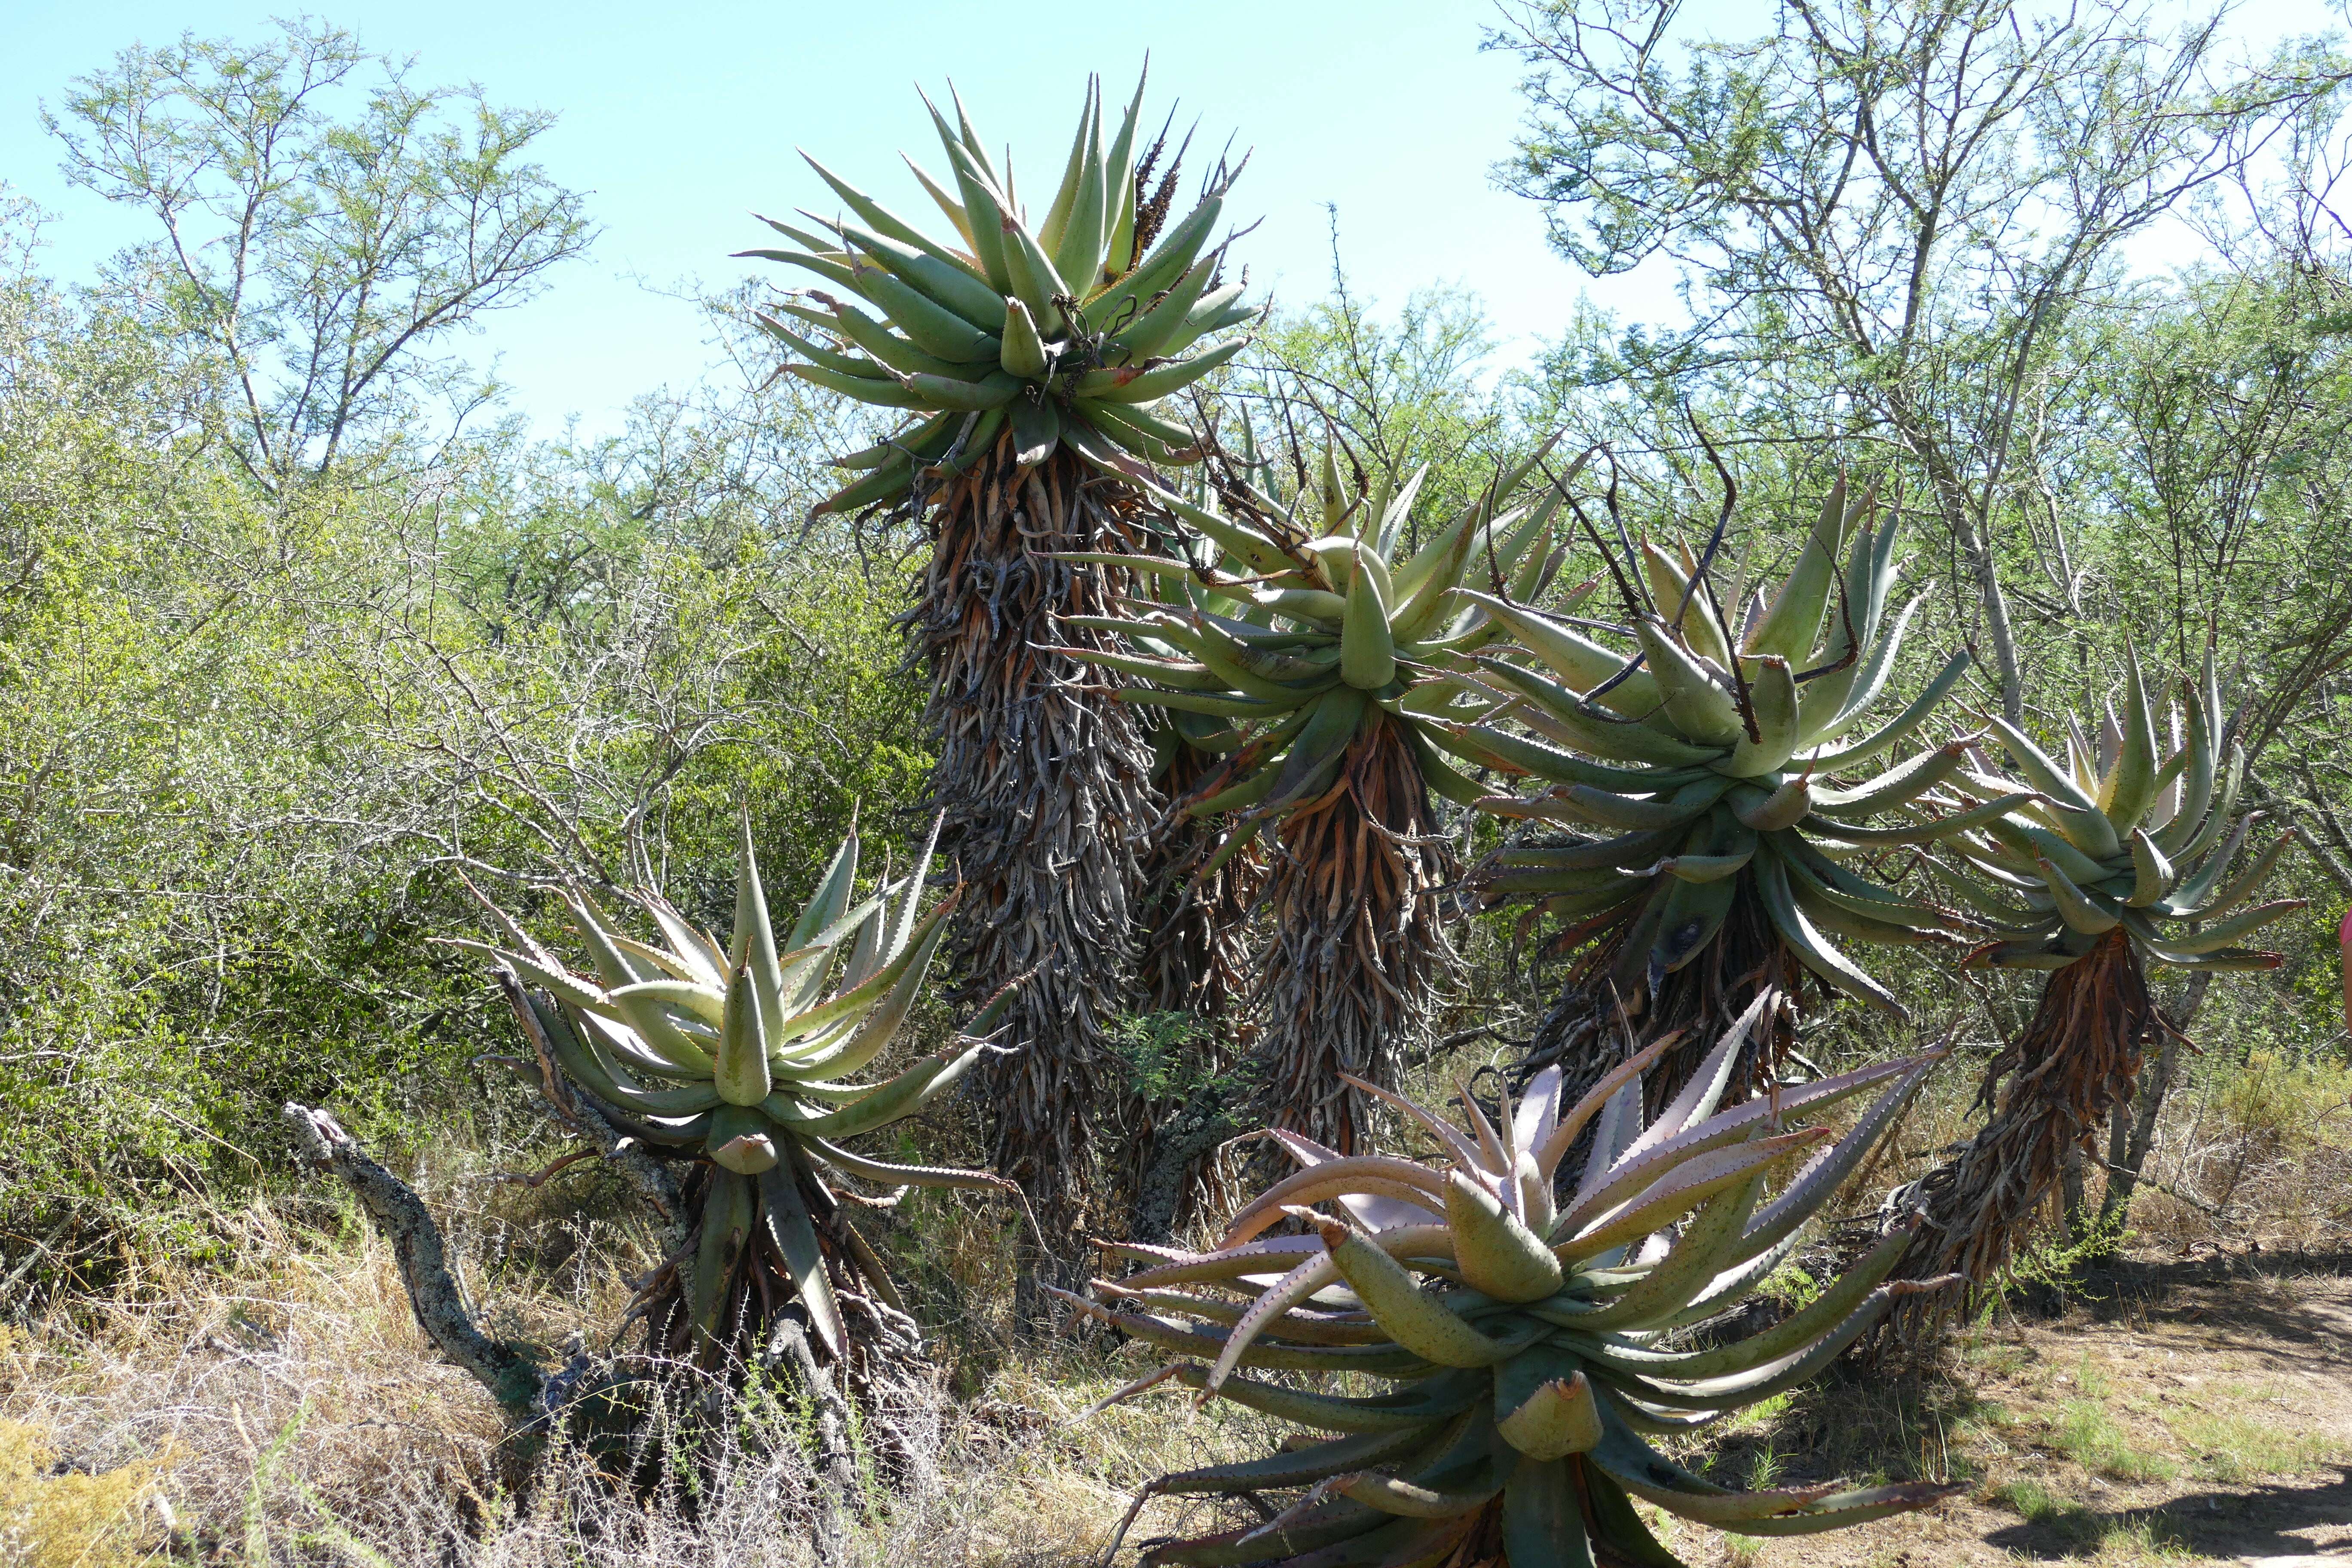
<point x="290" y="1411"/>
<point x="299" y="1375"/>
<point x="53" y="1518"/>
<point x="286" y="1410"/>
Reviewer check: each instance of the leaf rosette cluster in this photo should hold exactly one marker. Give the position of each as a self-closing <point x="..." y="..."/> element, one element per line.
<point x="1695" y="776"/>
<point x="2124" y="834"/>
<point x="1536" y="1344"/>
<point x="1315" y="625"/>
<point x="1073" y="330"/>
<point x="746" y="1054"/>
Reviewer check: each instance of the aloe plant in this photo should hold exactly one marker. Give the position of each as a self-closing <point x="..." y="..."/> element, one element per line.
<point x="1724" y="788"/>
<point x="1534" y="1344"/>
<point x="1302" y="644"/>
<point x="745" y="1059"/>
<point x="1035" y="356"/>
<point x="2125" y="854"/>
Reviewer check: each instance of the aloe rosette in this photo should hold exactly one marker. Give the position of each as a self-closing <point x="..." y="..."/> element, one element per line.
<point x="745" y="1057"/>
<point x="2125" y="835"/>
<point x="1534" y="1344"/>
<point x="1318" y="627"/>
<point x="1074" y="330"/>
<point x="1300" y="648"/>
<point x="1726" y="810"/>
<point x="2127" y="853"/>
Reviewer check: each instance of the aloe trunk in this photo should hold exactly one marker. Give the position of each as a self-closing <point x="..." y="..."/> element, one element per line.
<point x="1357" y="948"/>
<point x="2120" y="852"/>
<point x="2077" y="1060"/>
<point x="1584" y="1030"/>
<point x="1194" y="951"/>
<point x="1043" y="789"/>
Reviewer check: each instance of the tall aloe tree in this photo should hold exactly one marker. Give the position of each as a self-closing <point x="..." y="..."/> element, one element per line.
<point x="1032" y="357"/>
<point x="2119" y="857"/>
<point x="1723" y="804"/>
<point x="1309" y="663"/>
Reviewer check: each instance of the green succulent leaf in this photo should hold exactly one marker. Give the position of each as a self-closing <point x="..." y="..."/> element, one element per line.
<point x="1537" y="1431"/>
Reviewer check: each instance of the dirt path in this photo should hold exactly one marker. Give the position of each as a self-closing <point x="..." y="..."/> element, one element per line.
<point x="2200" y="1413"/>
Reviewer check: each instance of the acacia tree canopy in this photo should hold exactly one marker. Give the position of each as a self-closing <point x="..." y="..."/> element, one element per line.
<point x="1914" y="200"/>
<point x="327" y="226"/>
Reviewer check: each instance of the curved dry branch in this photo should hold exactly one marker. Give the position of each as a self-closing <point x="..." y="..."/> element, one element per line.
<point x="512" y="1376"/>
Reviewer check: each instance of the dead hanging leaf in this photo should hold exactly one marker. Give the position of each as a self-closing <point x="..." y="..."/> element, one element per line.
<point x="1605" y="1012"/>
<point x="1045" y="786"/>
<point x="1356" y="948"/>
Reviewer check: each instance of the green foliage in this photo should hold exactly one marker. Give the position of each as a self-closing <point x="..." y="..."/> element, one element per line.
<point x="1162" y="1059"/>
<point x="1071" y="329"/>
<point x="245" y="741"/>
<point x="2090" y="1437"/>
<point x="1397" y="394"/>
<point x="324" y="223"/>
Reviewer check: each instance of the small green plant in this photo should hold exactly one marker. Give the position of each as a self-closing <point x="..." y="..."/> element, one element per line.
<point x="1994" y="1357"/>
<point x="2235" y="1448"/>
<point x="2031" y="1499"/>
<point x="2090" y="1437"/>
<point x="1790" y="1289"/>
<point x="2054" y="1261"/>
<point x="1158" y="1052"/>
<point x="1761" y="1413"/>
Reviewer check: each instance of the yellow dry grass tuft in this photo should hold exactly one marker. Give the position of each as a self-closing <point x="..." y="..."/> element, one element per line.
<point x="49" y="1520"/>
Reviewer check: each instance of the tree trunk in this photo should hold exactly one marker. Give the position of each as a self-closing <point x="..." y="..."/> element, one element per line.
<point x="513" y="1377"/>
<point x="1194" y="951"/>
<point x="1977" y="546"/>
<point x="1357" y="947"/>
<point x="2073" y="1197"/>
<point x="2125" y="1163"/>
<point x="2331" y="847"/>
<point x="1044" y="784"/>
<point x="2074" y="1063"/>
<point x="1605" y="998"/>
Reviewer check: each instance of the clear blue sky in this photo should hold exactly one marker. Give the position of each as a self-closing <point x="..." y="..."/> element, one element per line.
<point x="682" y="121"/>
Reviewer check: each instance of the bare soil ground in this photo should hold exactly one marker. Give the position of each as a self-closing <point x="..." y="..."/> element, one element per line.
<point x="2194" y="1411"/>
